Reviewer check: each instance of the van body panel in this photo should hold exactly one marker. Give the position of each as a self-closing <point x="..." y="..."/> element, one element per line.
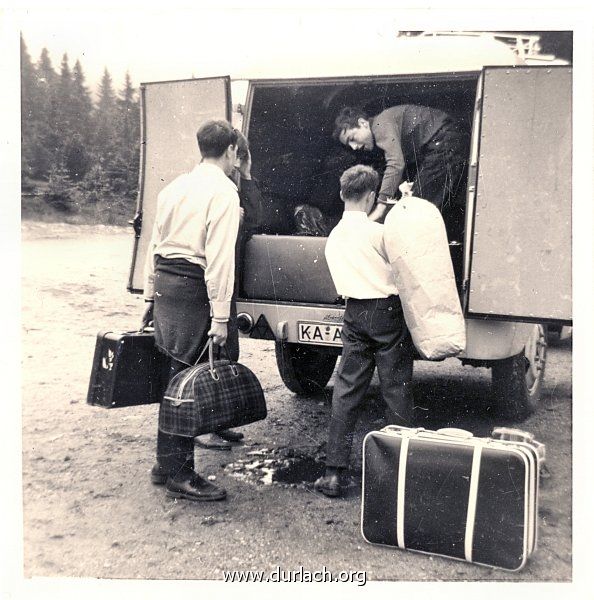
<point x="485" y="340"/>
<point x="283" y="319"/>
<point x="172" y="112"/>
<point x="492" y="340"/>
<point x="303" y="293"/>
<point x="390" y="55"/>
<point x="287" y="268"/>
<point x="520" y="262"/>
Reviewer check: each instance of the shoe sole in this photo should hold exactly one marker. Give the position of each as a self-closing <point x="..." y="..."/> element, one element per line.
<point x="182" y="496"/>
<point x="328" y="493"/>
<point x="234" y="439"/>
<point x="157" y="480"/>
<point x="212" y="446"/>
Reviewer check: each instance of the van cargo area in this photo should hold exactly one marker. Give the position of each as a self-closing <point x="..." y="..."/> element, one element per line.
<point x="297" y="162"/>
<point x="513" y="245"/>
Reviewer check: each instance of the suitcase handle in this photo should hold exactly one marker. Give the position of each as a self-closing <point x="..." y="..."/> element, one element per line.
<point x="455" y="432"/>
<point x="451" y="432"/>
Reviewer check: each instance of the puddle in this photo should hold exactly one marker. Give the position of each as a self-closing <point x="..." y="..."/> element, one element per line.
<point x="284" y="467"/>
<point x="299" y="470"/>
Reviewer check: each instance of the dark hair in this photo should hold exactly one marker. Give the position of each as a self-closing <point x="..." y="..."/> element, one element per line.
<point x="357" y="181"/>
<point x="347" y="118"/>
<point x="214" y="137"/>
<point x="243" y="146"/>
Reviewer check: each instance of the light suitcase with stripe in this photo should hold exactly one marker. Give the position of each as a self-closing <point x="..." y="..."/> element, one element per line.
<point x="448" y="493"/>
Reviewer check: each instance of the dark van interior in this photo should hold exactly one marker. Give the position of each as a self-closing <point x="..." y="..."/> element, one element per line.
<point x="296" y="160"/>
<point x="290" y="132"/>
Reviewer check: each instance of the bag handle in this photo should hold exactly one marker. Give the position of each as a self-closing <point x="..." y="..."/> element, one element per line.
<point x="212" y="370"/>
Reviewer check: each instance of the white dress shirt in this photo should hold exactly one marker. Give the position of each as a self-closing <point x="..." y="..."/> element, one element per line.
<point x="197" y="219"/>
<point x="357" y="259"/>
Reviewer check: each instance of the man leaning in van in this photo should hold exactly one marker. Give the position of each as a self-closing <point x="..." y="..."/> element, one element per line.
<point x="189" y="279"/>
<point x="426" y="145"/>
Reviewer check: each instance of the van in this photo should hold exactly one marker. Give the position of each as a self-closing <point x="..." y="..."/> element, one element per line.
<point x="513" y="262"/>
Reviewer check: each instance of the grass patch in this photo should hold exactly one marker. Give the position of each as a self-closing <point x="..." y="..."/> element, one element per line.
<point x="108" y="210"/>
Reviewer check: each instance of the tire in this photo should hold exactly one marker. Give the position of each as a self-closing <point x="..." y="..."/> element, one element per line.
<point x="305" y="370"/>
<point x="553" y="333"/>
<point x="517" y="381"/>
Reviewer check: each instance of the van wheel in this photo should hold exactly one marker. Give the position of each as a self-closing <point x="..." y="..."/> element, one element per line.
<point x="517" y="381"/>
<point x="305" y="370"/>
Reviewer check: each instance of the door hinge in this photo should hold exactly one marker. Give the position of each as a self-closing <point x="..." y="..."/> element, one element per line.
<point x="136" y="223"/>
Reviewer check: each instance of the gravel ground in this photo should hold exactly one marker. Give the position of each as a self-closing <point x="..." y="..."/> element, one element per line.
<point x="91" y="511"/>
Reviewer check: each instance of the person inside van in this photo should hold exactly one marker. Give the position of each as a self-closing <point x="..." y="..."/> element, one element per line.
<point x="250" y="198"/>
<point x="421" y="144"/>
<point x="374" y="332"/>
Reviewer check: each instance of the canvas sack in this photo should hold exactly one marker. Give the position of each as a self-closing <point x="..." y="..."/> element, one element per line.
<point x="417" y="247"/>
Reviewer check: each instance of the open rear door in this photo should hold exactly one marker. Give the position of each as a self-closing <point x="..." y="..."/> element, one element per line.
<point x="172" y="112"/>
<point x="519" y="267"/>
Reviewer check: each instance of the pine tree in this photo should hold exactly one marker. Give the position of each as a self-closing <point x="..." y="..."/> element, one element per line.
<point x="128" y="138"/>
<point x="105" y="137"/>
<point x="77" y="148"/>
<point x="46" y="152"/>
<point x="60" y="193"/>
<point x="82" y="105"/>
<point x="64" y="101"/>
<point x="96" y="184"/>
<point x="29" y="114"/>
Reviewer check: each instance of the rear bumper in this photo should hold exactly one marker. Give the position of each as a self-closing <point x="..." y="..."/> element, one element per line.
<point x="485" y="340"/>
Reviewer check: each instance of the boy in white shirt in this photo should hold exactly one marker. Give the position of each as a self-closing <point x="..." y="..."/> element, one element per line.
<point x="189" y="284"/>
<point x="374" y="332"/>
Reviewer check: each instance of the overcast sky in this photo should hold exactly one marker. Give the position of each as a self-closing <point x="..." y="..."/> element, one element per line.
<point x="156" y="44"/>
<point x="174" y="41"/>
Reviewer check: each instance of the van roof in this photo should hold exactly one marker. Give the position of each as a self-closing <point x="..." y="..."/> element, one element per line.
<point x="378" y="56"/>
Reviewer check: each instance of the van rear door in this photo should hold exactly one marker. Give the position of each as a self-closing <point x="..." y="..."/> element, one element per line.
<point x="172" y="112"/>
<point x="518" y="245"/>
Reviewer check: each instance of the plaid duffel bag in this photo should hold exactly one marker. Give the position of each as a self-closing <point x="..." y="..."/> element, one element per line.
<point x="213" y="395"/>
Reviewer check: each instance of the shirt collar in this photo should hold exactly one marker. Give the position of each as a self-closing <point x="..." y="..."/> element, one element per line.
<point x="215" y="171"/>
<point x="354" y="215"/>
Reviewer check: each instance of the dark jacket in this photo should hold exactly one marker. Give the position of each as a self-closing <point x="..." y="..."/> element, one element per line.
<point x="403" y="132"/>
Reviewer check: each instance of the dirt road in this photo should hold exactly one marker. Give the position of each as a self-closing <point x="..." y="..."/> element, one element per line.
<point x="91" y="511"/>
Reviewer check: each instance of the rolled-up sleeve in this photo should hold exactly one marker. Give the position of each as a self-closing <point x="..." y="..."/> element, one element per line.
<point x="387" y="133"/>
<point x="221" y="234"/>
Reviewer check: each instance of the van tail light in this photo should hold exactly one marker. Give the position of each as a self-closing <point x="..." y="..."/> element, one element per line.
<point x="245" y="323"/>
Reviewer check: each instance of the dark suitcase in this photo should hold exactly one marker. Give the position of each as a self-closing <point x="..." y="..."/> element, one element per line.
<point x="125" y="370"/>
<point x="448" y="493"/>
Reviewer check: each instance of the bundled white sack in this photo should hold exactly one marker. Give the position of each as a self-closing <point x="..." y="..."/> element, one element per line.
<point x="417" y="247"/>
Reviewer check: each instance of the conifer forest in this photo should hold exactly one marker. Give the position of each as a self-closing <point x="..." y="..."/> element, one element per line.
<point x="79" y="150"/>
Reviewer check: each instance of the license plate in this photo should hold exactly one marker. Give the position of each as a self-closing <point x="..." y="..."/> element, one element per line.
<point x="327" y="334"/>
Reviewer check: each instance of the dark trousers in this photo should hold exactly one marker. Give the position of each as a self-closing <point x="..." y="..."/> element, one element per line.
<point x="441" y="177"/>
<point x="182" y="323"/>
<point x="373" y="334"/>
<point x="174" y="452"/>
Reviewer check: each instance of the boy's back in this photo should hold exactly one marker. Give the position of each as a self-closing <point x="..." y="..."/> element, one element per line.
<point x="357" y="259"/>
<point x="373" y="334"/>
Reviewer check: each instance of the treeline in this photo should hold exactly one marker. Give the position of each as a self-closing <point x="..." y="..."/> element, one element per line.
<point x="78" y="154"/>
